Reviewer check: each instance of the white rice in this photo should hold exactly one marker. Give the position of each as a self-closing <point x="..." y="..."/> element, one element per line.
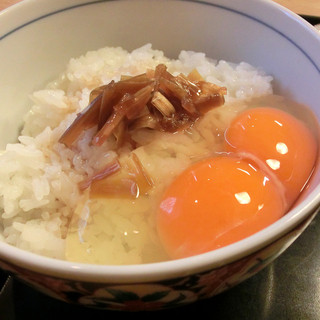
<point x="39" y="176"/>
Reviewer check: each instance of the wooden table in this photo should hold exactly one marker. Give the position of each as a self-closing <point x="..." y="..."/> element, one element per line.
<point x="306" y="7"/>
<point x="6" y="3"/>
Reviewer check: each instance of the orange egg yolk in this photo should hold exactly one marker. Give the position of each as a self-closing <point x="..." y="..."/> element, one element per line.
<point x="283" y="144"/>
<point x="214" y="203"/>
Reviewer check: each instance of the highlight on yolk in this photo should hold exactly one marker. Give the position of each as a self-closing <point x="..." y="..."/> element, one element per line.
<point x="283" y="143"/>
<point x="214" y="203"/>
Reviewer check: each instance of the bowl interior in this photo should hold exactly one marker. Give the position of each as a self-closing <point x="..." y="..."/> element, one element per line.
<point x="37" y="39"/>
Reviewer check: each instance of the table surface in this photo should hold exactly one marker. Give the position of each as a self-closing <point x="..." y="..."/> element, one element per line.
<point x="289" y="288"/>
<point x="304" y="7"/>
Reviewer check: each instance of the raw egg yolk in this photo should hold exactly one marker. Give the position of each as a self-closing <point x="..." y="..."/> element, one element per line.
<point x="283" y="144"/>
<point x="214" y="203"/>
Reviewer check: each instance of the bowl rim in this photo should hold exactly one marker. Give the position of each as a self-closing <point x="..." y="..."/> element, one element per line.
<point x="168" y="269"/>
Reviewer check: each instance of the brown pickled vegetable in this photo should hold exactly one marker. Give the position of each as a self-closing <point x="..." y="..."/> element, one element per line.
<point x="155" y="100"/>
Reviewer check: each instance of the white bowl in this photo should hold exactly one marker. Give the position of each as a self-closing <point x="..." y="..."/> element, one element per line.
<point x="37" y="38"/>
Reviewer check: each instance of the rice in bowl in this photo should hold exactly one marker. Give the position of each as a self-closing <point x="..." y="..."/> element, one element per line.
<point x="41" y="205"/>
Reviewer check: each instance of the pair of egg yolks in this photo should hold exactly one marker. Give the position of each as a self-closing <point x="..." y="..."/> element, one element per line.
<point x="224" y="199"/>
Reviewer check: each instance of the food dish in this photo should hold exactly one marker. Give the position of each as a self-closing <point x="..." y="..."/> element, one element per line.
<point x="293" y="219"/>
<point x="115" y="172"/>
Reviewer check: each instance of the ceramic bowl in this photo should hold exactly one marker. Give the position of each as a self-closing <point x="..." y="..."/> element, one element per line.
<point x="37" y="38"/>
